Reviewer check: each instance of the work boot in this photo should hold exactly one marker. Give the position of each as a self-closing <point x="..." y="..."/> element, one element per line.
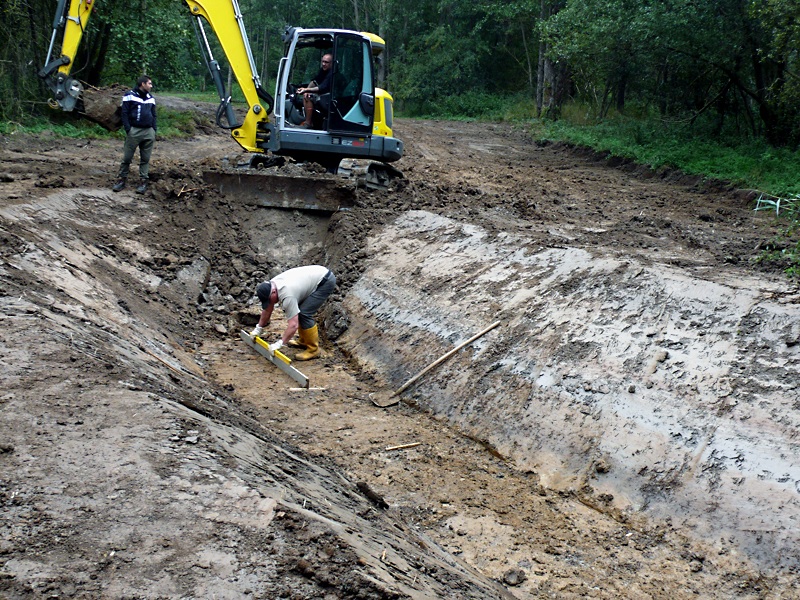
<point x="300" y="342"/>
<point x="311" y="337"/>
<point x="119" y="186"/>
<point x="142" y="187"/>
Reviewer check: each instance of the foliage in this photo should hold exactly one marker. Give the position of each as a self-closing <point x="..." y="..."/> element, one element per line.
<point x="682" y="56"/>
<point x="787" y="209"/>
<point x="653" y="142"/>
<point x="782" y="19"/>
<point x="150" y="38"/>
<point x="481" y="106"/>
<point x="171" y="124"/>
<point x="442" y="67"/>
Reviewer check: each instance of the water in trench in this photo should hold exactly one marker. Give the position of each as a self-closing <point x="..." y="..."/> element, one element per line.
<point x="655" y="394"/>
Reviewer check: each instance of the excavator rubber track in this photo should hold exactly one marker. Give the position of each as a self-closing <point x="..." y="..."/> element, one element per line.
<point x="368" y="174"/>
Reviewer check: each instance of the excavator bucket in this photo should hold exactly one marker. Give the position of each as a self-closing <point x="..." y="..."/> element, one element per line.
<point x="327" y="195"/>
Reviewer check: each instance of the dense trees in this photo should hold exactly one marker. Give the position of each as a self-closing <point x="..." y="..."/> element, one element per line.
<point x="731" y="63"/>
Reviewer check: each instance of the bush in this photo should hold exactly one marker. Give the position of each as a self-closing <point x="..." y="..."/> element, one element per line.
<point x="787" y="209"/>
<point x="462" y="106"/>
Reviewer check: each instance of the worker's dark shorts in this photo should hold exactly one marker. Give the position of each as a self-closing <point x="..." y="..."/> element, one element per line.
<point x="310" y="305"/>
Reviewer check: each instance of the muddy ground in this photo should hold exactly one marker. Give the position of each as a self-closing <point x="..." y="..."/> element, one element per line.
<point x="146" y="452"/>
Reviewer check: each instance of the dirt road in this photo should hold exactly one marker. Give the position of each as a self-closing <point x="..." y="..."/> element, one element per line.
<point x="146" y="452"/>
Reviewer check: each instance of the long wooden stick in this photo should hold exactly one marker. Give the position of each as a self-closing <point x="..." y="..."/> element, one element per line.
<point x="403" y="446"/>
<point x="445" y="357"/>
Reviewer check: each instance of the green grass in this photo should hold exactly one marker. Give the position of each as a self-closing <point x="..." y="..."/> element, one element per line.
<point x="176" y="124"/>
<point x="77" y="128"/>
<point x="745" y="162"/>
<point x="171" y="124"/>
<point x="237" y="96"/>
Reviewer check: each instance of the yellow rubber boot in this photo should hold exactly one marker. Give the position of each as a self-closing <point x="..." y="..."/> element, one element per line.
<point x="300" y="342"/>
<point x="311" y="338"/>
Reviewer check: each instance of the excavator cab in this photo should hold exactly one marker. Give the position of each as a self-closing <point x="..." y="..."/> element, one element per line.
<point x="354" y="119"/>
<point x="349" y="106"/>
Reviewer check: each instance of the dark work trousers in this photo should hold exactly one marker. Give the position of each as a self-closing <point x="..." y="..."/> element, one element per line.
<point x="311" y="305"/>
<point x="144" y="140"/>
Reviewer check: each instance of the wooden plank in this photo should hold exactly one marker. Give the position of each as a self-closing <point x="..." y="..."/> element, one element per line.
<point x="384" y="400"/>
<point x="280" y="360"/>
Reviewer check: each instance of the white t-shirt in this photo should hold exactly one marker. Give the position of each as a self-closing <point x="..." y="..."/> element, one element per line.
<point x="295" y="285"/>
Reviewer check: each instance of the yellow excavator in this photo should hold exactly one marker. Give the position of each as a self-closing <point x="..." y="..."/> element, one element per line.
<point x="356" y="122"/>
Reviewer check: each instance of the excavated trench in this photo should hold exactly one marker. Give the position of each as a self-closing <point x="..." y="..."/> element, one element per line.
<point x="149" y="453"/>
<point x="654" y="395"/>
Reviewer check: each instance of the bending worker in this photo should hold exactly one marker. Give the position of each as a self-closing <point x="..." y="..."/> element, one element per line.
<point x="301" y="291"/>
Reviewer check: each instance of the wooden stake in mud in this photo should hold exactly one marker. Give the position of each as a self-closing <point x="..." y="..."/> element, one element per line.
<point x="383" y="400"/>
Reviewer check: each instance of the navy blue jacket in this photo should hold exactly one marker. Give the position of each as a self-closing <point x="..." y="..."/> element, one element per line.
<point x="138" y="110"/>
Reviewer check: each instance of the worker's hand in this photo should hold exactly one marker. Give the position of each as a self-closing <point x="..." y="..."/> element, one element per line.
<point x="257" y="331"/>
<point x="275" y="346"/>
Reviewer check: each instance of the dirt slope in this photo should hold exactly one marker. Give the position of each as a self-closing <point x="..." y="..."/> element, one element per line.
<point x="147" y="453"/>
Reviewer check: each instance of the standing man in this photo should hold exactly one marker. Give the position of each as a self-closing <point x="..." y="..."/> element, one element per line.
<point x="301" y="291"/>
<point x="321" y="84"/>
<point x="139" y="120"/>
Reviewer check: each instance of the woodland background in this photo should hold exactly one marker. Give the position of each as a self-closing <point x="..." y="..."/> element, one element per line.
<point x="731" y="64"/>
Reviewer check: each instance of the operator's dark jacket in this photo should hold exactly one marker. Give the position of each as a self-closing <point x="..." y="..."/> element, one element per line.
<point x="138" y="110"/>
<point x="323" y="80"/>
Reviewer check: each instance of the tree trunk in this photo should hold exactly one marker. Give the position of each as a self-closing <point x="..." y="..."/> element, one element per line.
<point x="265" y="61"/>
<point x="142" y="23"/>
<point x="527" y="58"/>
<point x="548" y="87"/>
<point x="96" y="55"/>
<point x="775" y="130"/>
<point x="544" y="13"/>
<point x="355" y="14"/>
<point x="622" y="84"/>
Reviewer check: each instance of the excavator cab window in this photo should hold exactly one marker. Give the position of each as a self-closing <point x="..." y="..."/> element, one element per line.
<point x="306" y="63"/>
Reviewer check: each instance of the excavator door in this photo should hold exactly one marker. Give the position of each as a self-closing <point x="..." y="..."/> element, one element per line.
<point x="352" y="106"/>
